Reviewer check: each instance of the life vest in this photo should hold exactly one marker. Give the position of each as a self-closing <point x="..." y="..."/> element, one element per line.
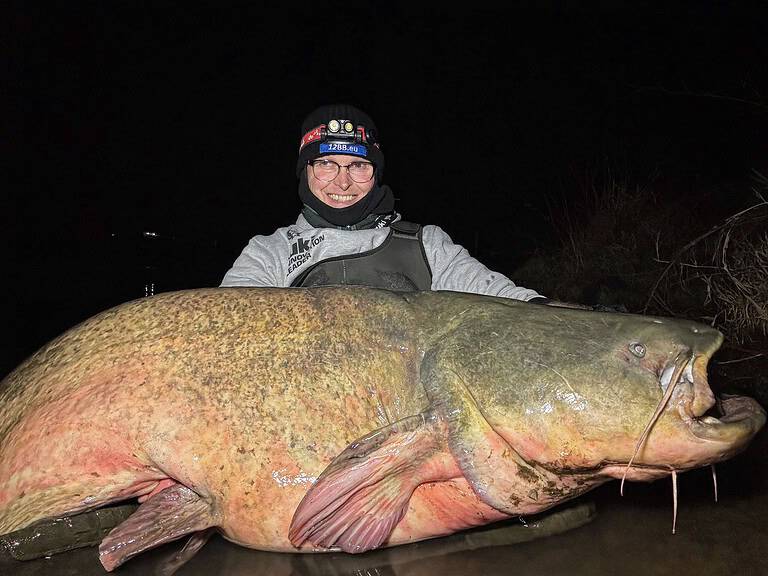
<point x="399" y="263"/>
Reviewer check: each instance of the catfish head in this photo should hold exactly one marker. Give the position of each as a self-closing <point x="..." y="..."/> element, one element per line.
<point x="604" y="395"/>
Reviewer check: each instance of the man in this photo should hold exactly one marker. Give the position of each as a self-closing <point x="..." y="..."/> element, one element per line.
<point x="348" y="231"/>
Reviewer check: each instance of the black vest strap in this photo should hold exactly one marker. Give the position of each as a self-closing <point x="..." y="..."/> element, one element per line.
<point x="400" y="263"/>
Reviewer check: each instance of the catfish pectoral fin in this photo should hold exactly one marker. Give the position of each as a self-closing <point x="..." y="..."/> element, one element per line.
<point x="167" y="516"/>
<point x="497" y="473"/>
<point x="361" y="496"/>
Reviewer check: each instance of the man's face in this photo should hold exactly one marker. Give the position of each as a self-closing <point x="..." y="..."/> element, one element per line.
<point x="342" y="191"/>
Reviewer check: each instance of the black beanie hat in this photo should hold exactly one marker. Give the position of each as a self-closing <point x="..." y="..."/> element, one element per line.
<point x="339" y="129"/>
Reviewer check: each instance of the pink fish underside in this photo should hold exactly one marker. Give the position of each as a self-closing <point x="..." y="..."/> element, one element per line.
<point x="395" y="485"/>
<point x="377" y="492"/>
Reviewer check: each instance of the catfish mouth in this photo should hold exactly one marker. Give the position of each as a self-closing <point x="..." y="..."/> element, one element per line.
<point x="741" y="418"/>
<point x="686" y="378"/>
<point x="729" y="419"/>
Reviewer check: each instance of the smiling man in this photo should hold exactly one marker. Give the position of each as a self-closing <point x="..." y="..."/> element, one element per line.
<point x="349" y="232"/>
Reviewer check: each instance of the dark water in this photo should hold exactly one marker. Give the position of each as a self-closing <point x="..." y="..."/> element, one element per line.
<point x="630" y="535"/>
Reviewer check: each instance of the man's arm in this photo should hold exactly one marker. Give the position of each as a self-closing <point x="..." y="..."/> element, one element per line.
<point x="259" y="264"/>
<point x="453" y="268"/>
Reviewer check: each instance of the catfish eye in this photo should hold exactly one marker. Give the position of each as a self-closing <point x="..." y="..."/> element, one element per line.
<point x="637" y="349"/>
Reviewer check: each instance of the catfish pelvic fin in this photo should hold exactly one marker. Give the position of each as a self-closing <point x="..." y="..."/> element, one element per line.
<point x="167" y="516"/>
<point x="361" y="496"/>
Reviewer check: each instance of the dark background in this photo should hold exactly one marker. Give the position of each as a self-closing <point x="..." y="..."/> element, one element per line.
<point x="183" y="121"/>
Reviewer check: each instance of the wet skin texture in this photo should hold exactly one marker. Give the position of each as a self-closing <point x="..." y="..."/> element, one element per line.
<point x="348" y="418"/>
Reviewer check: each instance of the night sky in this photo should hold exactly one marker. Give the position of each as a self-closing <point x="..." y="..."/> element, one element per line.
<point x="184" y="122"/>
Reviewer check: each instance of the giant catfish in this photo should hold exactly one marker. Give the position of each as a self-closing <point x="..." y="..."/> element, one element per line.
<point x="347" y="418"/>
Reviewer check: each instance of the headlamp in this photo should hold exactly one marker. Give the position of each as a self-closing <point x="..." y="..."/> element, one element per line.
<point x="338" y="130"/>
<point x="340" y="136"/>
<point x="344" y="130"/>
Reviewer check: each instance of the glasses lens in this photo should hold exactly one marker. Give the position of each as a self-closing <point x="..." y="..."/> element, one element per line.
<point x="361" y="171"/>
<point x="327" y="170"/>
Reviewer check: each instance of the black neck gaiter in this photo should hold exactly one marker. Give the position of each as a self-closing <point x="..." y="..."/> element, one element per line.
<point x="378" y="201"/>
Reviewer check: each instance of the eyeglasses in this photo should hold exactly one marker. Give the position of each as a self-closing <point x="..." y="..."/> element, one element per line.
<point x="327" y="170"/>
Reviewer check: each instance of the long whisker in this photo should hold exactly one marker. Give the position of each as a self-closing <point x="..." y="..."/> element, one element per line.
<point x="674" y="500"/>
<point x="714" y="479"/>
<point x="679" y="367"/>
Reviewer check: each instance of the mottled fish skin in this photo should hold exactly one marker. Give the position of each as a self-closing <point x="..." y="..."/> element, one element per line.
<point x="243" y="395"/>
<point x="246" y="395"/>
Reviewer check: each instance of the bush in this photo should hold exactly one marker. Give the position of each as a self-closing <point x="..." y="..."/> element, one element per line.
<point x="665" y="254"/>
<point x="729" y="265"/>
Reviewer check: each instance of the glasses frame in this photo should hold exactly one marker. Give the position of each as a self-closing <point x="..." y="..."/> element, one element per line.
<point x="339" y="167"/>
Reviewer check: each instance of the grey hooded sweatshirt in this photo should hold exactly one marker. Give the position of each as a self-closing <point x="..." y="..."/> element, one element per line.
<point x="276" y="260"/>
